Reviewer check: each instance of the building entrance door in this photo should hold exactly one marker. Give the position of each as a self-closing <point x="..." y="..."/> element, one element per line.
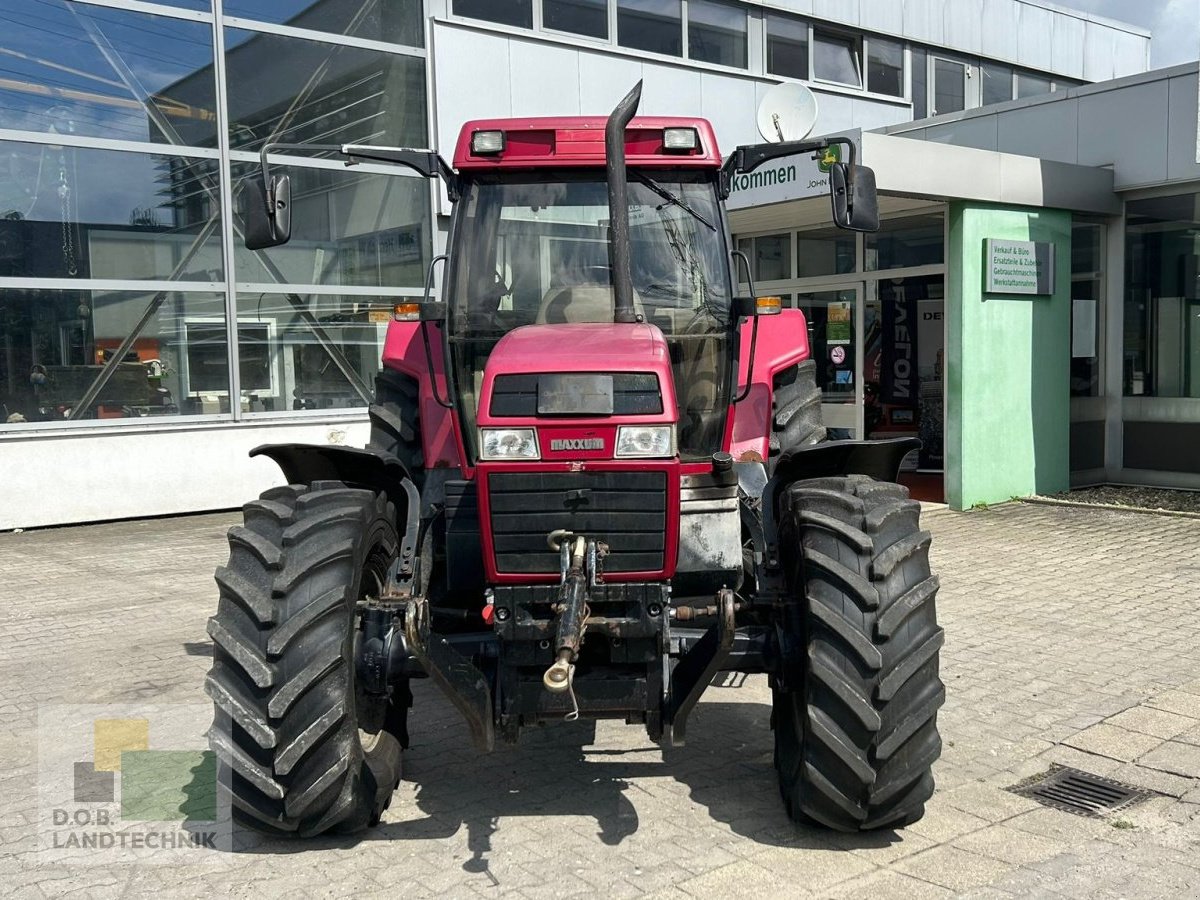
<point x="834" y="326"/>
<point x="904" y="365"/>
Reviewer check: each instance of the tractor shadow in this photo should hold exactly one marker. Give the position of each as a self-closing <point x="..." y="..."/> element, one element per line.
<point x="557" y="771"/>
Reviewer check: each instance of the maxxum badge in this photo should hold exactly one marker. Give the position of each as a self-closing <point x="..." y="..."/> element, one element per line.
<point x="577" y="443"/>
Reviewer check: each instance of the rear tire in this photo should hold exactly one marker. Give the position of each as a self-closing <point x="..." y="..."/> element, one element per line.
<point x="286" y="732"/>
<point x="796" y="410"/>
<point x="856" y="735"/>
<point x="396" y="421"/>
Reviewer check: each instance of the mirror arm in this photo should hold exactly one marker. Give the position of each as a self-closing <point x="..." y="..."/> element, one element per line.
<point x="271" y="148"/>
<point x="440" y="258"/>
<point x="748" y="158"/>
<point x="753" y="331"/>
<point x="426" y="162"/>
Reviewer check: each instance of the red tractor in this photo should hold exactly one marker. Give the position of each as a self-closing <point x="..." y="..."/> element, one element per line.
<point x="596" y="479"/>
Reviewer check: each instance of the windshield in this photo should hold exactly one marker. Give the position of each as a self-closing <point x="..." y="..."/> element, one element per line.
<point x="532" y="248"/>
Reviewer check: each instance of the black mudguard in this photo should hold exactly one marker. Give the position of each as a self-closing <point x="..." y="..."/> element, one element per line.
<point x="305" y="463"/>
<point x="370" y="469"/>
<point x="877" y="459"/>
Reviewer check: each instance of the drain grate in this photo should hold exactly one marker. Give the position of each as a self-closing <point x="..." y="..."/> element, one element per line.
<point x="1081" y="793"/>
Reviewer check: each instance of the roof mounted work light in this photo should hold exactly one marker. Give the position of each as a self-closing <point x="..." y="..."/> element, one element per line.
<point x="680" y="140"/>
<point x="484" y="143"/>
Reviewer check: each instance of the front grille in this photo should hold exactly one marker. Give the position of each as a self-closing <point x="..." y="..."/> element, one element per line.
<point x="626" y="510"/>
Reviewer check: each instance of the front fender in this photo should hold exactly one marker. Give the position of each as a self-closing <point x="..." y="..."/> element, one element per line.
<point x="877" y="459"/>
<point x="306" y="463"/>
<point x="369" y="469"/>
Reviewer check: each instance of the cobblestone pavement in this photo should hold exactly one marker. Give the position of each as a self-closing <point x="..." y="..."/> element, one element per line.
<point x="1071" y="638"/>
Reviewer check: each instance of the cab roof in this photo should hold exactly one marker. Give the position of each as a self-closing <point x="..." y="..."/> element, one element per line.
<point x="578" y="141"/>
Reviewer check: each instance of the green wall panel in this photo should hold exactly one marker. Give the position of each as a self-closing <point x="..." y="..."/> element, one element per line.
<point x="1008" y="375"/>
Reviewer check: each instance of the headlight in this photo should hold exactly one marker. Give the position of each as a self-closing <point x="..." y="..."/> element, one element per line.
<point x="508" y="443"/>
<point x="650" y="441"/>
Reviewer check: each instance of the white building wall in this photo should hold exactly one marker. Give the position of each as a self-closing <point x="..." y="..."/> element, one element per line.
<point x="525" y="74"/>
<point x="1030" y="33"/>
<point x="59" y="476"/>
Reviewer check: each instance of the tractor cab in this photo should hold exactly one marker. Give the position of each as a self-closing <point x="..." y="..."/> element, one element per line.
<point x="532" y="242"/>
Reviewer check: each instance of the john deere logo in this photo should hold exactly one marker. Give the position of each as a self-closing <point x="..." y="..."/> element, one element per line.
<point x="829" y="157"/>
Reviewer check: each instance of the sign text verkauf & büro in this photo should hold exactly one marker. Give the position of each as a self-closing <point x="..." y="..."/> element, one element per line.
<point x="1018" y="267"/>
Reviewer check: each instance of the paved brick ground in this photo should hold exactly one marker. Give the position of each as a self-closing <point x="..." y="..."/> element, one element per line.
<point x="1071" y="638"/>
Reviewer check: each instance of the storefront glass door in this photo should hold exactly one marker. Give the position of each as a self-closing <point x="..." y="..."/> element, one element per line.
<point x="834" y="322"/>
<point x="904" y="364"/>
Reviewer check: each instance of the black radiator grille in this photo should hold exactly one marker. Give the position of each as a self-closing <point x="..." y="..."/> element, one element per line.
<point x="626" y="510"/>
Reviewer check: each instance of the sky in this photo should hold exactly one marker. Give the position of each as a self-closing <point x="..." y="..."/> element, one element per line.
<point x="1175" y="25"/>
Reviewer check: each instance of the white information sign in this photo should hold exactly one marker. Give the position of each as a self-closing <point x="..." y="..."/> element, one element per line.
<point x="1018" y="267"/>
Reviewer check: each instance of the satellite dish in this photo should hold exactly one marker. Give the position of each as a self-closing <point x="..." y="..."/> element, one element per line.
<point x="788" y="112"/>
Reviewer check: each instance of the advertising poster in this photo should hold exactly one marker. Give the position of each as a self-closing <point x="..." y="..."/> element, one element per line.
<point x="839" y="326"/>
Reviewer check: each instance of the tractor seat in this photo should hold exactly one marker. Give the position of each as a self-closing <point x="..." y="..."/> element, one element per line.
<point x="580" y="303"/>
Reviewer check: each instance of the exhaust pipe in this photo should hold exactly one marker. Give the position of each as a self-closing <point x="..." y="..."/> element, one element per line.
<point x="618" y="205"/>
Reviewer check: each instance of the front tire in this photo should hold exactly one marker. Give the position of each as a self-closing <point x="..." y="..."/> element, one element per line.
<point x="856" y="732"/>
<point x="287" y="726"/>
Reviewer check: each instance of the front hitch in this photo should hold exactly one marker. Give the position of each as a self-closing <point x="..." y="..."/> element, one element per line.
<point x="573" y="613"/>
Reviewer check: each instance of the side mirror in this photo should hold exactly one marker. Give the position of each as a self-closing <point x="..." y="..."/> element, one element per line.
<point x="855" y="202"/>
<point x="267" y="212"/>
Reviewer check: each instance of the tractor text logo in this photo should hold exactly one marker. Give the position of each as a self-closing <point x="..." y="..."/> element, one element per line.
<point x="577" y="444"/>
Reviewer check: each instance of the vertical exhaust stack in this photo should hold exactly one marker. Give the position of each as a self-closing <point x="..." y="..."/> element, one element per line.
<point x="618" y="204"/>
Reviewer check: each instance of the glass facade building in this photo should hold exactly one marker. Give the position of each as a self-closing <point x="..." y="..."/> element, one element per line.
<point x="128" y="135"/>
<point x="144" y="350"/>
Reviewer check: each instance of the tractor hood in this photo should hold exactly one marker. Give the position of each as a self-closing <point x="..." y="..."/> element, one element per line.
<point x="633" y="358"/>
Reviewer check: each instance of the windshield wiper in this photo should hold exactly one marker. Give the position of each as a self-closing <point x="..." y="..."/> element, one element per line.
<point x="671" y="198"/>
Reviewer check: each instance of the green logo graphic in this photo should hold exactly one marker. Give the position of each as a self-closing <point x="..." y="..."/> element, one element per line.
<point x="156" y="785"/>
<point x="831" y="155"/>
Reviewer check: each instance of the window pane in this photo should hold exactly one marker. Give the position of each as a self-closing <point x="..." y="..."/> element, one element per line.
<point x="69" y="212"/>
<point x="771" y="257"/>
<point x="830" y="317"/>
<point x="348" y="228"/>
<point x="885" y="67"/>
<point x="505" y="12"/>
<point x="59" y="343"/>
<point x="1085" y="249"/>
<point x="1162" y="297"/>
<point x="586" y="17"/>
<point x="787" y="47"/>
<point x="392" y="21"/>
<point x="717" y="33"/>
<point x="836" y="58"/>
<point x="920" y="83"/>
<point x="286" y="365"/>
<point x="1087" y="304"/>
<point x="652" y="25"/>
<point x="1031" y="85"/>
<point x="322" y="93"/>
<point x="997" y="83"/>
<point x="828" y="251"/>
<point x="902" y="243"/>
<point x="73" y="68"/>
<point x="949" y="87"/>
